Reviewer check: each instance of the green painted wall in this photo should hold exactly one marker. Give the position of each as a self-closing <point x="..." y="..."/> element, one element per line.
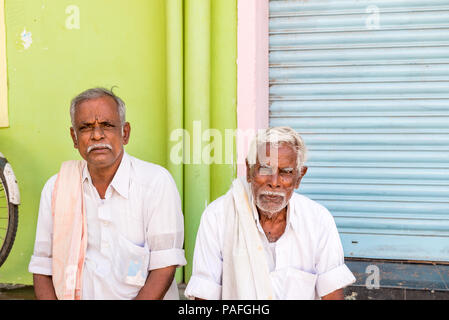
<point x="115" y="46"/>
<point x="144" y="48"/>
<point x="210" y="101"/>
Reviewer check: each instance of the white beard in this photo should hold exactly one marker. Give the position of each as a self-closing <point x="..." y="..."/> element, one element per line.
<point x="272" y="209"/>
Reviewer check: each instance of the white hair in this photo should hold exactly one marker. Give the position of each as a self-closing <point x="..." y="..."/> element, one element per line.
<point x="95" y="93"/>
<point x="275" y="136"/>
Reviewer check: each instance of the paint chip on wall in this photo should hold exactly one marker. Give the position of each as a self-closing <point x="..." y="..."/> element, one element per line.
<point x="26" y="38"/>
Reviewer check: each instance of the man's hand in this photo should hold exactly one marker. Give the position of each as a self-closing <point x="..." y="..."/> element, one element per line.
<point x="157" y="284"/>
<point x="43" y="287"/>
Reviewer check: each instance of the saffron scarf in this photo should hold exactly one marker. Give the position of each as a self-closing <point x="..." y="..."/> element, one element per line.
<point x="69" y="231"/>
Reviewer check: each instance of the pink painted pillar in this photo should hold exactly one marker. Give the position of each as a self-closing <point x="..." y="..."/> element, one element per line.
<point x="252" y="74"/>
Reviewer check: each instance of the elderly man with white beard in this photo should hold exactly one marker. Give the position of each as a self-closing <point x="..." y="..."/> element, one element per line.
<point x="263" y="241"/>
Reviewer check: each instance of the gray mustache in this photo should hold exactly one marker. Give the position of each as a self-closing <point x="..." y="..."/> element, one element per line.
<point x="99" y="146"/>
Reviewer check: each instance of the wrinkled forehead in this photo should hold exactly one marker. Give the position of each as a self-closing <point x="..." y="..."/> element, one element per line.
<point x="98" y="109"/>
<point x="277" y="155"/>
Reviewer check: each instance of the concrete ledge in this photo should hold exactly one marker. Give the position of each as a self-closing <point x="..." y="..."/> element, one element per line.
<point x="362" y="293"/>
<point x="400" y="274"/>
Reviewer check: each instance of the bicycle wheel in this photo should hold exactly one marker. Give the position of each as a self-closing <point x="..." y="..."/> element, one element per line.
<point x="8" y="212"/>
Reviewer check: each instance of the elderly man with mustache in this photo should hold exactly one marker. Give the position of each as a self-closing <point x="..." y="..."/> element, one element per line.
<point x="109" y="226"/>
<point x="264" y="241"/>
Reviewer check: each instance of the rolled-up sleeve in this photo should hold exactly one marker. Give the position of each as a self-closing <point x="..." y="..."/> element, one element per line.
<point x="202" y="288"/>
<point x="40" y="265"/>
<point x="337" y="278"/>
<point x="165" y="229"/>
<point x="164" y="258"/>
<point x="41" y="260"/>
<point x="332" y="272"/>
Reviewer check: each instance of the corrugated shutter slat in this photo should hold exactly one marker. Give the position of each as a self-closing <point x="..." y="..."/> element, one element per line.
<point x="372" y="103"/>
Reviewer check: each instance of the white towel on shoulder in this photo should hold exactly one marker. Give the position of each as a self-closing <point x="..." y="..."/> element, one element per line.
<point x="245" y="268"/>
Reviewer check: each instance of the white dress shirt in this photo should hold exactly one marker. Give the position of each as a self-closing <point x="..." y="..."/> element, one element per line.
<point x="137" y="227"/>
<point x="306" y="262"/>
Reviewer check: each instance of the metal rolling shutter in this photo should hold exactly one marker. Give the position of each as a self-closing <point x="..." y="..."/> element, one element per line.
<point x="372" y="103"/>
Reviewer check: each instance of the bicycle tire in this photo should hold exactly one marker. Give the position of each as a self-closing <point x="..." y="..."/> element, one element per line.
<point x="7" y="242"/>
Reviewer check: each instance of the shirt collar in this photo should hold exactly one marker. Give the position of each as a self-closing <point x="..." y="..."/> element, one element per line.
<point x="86" y="174"/>
<point x="121" y="179"/>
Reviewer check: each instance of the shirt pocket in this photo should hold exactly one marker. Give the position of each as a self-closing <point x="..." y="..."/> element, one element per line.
<point x="300" y="285"/>
<point x="131" y="262"/>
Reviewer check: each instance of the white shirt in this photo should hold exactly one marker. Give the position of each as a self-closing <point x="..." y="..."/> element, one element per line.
<point x="306" y="262"/>
<point x="137" y="227"/>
